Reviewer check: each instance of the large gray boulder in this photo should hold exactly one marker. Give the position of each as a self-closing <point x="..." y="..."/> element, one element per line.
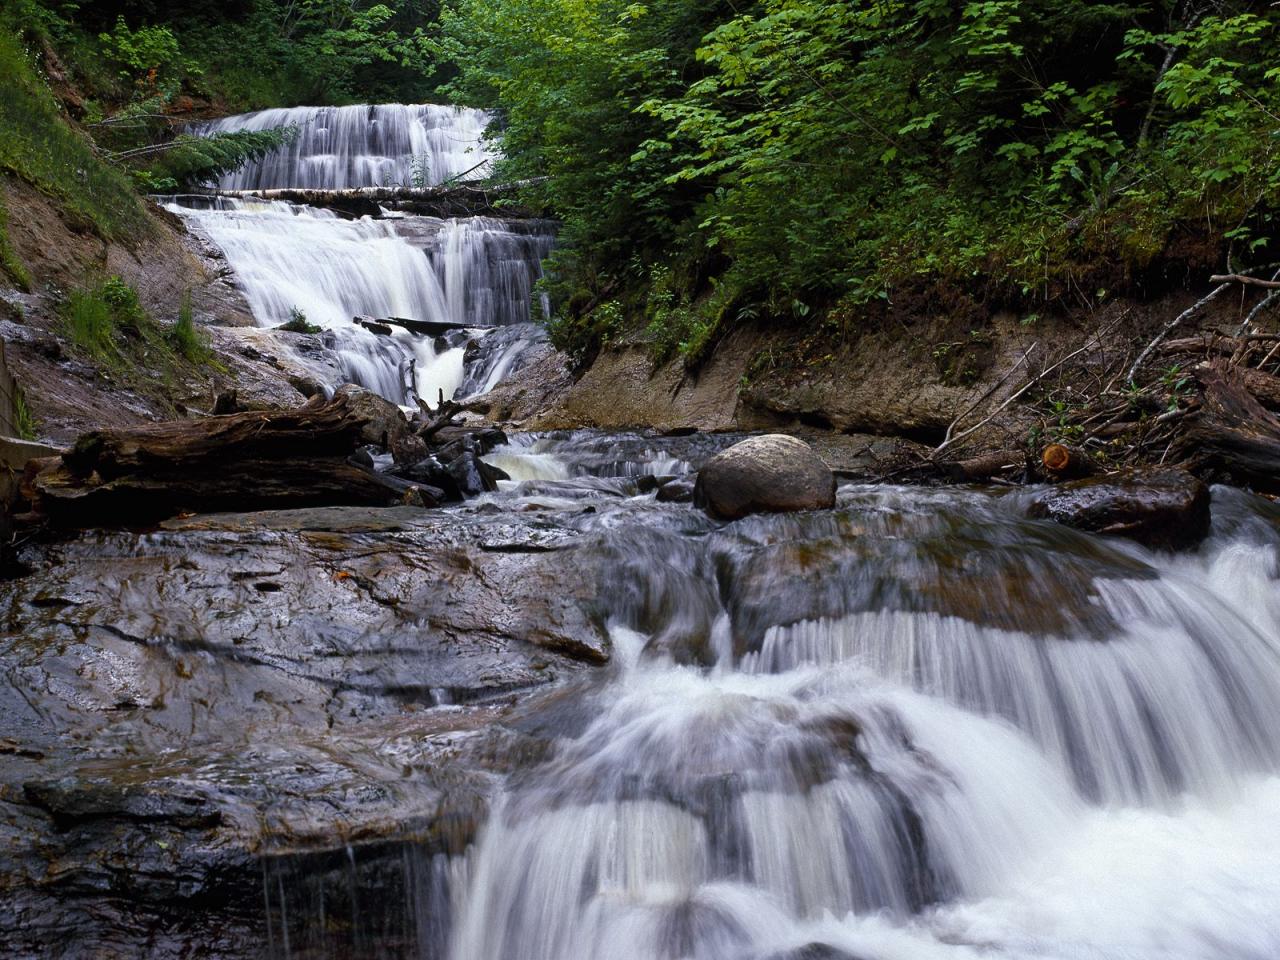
<point x="769" y="474"/>
<point x="1163" y="509"/>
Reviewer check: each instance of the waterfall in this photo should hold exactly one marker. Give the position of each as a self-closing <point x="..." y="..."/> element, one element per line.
<point x="390" y="144"/>
<point x="913" y="777"/>
<point x="917" y="726"/>
<point x="290" y="259"/>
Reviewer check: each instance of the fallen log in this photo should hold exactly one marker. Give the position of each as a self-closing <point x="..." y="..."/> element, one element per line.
<point x="1062" y="462"/>
<point x="985" y="467"/>
<point x="245" y="461"/>
<point x="1265" y="387"/>
<point x="431" y="328"/>
<point x="149" y="496"/>
<point x="446" y="200"/>
<point x="1232" y="436"/>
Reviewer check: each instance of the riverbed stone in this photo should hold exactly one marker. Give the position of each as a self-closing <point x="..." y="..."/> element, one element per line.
<point x="1162" y="509"/>
<point x="773" y="473"/>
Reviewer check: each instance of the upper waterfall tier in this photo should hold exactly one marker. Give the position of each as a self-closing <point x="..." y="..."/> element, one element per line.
<point x="362" y="146"/>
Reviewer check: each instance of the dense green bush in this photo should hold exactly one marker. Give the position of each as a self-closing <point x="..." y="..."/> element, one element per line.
<point x="804" y="152"/>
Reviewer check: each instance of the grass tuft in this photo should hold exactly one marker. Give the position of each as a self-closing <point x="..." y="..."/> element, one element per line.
<point x="189" y="340"/>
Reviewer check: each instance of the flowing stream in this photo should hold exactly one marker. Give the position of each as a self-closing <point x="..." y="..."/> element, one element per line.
<point x="918" y="726"/>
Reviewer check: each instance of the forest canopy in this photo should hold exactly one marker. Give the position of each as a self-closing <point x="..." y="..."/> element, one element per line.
<point x="737" y="157"/>
<point x="715" y="161"/>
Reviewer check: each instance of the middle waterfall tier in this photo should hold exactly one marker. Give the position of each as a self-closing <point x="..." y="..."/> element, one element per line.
<point x="291" y="260"/>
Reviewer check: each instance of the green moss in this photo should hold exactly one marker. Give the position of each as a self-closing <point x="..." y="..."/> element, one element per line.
<point x="39" y="146"/>
<point x="10" y="265"/>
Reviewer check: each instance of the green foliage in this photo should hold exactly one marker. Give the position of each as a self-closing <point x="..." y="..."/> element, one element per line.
<point x="24" y="420"/>
<point x="297" y="323"/>
<point x="148" y="54"/>
<point x="10" y="265"/>
<point x="813" y="152"/>
<point x="190" y="161"/>
<point x="106" y="320"/>
<point x="89" y="323"/>
<point x="187" y="339"/>
<point x="37" y="146"/>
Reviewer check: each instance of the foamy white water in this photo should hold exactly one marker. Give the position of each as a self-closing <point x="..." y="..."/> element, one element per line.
<point x="906" y="783"/>
<point x="390" y="144"/>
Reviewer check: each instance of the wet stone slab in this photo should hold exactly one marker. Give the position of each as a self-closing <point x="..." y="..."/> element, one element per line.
<point x="175" y="704"/>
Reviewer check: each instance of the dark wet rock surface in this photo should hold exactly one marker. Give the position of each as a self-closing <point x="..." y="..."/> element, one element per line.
<point x="1166" y="509"/>
<point x="174" y="704"/>
<point x="238" y="727"/>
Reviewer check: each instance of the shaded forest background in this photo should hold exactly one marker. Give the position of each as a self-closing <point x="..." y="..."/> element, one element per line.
<point x="721" y="163"/>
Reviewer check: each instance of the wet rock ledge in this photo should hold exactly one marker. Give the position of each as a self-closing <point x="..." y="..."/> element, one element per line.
<point x="177" y="704"/>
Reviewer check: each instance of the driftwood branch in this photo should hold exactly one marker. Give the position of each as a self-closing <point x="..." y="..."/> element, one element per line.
<point x="1172" y="325"/>
<point x="994" y="387"/>
<point x="1027" y="386"/>
<point x="1241" y="278"/>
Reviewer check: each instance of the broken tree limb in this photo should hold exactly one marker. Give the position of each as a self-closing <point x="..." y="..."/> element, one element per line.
<point x="994" y="387"/>
<point x="1241" y="278"/>
<point x="985" y="467"/>
<point x="1014" y="396"/>
<point x="1173" y="324"/>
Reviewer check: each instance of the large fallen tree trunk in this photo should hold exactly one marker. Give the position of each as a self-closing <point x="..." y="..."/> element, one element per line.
<point x="245" y="461"/>
<point x="446" y="200"/>
<point x="1232" y="437"/>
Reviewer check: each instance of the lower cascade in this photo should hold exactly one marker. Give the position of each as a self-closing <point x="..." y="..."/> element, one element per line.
<point x="291" y="260"/>
<point x="917" y="726"/>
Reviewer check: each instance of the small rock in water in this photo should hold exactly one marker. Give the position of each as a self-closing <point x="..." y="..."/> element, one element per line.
<point x="1163" y="509"/>
<point x="678" y="490"/>
<point x="813" y="951"/>
<point x="471" y="474"/>
<point x="768" y="474"/>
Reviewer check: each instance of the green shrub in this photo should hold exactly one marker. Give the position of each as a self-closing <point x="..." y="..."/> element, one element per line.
<point x="189" y="340"/>
<point x="148" y="50"/>
<point x="107" y="321"/>
<point x="88" y="320"/>
<point x="297" y="323"/>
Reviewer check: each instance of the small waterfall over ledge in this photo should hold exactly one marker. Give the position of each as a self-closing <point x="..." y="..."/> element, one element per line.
<point x="918" y="727"/>
<point x="390" y="144"/>
<point x="289" y="259"/>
